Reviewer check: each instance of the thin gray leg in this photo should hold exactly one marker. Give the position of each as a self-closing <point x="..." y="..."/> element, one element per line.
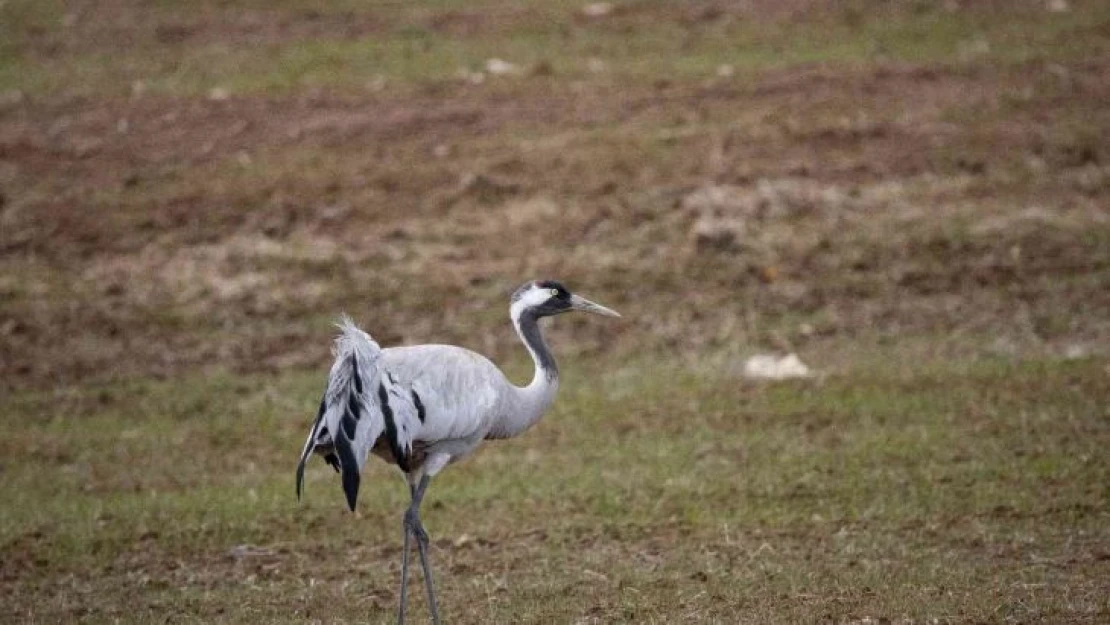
<point x="422" y="548"/>
<point x="404" y="575"/>
<point x="416" y="528"/>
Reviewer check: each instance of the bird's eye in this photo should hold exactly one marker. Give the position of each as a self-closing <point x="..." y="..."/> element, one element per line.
<point x="553" y="292"/>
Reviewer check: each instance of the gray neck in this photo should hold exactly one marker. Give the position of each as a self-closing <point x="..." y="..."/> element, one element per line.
<point x="525" y="405"/>
<point x="529" y="328"/>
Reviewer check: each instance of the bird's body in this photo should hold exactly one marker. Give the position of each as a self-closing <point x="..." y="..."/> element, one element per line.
<point x="424" y="407"/>
<point x="435" y="374"/>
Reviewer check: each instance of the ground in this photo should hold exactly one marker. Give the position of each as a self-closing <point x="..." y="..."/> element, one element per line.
<point x="911" y="196"/>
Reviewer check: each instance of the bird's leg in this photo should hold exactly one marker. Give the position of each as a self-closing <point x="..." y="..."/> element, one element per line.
<point x="413" y="525"/>
<point x="404" y="568"/>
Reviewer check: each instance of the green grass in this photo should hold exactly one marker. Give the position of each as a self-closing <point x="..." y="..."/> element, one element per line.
<point x="407" y="51"/>
<point x="649" y="495"/>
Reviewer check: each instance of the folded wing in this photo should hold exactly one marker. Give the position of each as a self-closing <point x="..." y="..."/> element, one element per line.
<point x="362" y="403"/>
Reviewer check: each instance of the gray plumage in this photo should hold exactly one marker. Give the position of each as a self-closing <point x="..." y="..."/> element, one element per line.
<point x="424" y="407"/>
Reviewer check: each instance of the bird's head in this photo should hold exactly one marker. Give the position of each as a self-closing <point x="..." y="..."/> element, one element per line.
<point x="544" y="298"/>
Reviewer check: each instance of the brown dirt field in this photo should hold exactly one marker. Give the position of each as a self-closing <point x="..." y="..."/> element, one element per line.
<point x="249" y="213"/>
<point x="154" y="232"/>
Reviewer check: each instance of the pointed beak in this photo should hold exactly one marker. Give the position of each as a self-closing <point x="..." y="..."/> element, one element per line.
<point x="583" y="304"/>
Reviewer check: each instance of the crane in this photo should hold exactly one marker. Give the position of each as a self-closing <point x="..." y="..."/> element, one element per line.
<point x="423" y="407"/>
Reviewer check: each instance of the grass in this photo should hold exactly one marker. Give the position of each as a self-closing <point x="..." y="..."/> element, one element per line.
<point x="404" y="47"/>
<point x="909" y="195"/>
<point x="647" y="496"/>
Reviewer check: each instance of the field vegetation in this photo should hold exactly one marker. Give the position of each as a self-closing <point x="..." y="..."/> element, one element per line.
<point x="910" y="195"/>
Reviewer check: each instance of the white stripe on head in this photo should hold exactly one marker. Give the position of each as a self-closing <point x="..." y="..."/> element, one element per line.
<point x="533" y="296"/>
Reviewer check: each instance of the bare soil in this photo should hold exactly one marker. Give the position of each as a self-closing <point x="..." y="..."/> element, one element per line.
<point x="839" y="194"/>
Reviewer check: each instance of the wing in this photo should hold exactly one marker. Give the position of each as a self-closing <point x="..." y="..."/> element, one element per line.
<point x="362" y="403"/>
<point x="455" y="391"/>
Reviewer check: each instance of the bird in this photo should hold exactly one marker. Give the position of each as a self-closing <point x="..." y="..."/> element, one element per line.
<point x="424" y="407"/>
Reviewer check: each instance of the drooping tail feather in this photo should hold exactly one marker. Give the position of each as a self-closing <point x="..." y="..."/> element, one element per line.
<point x="357" y="408"/>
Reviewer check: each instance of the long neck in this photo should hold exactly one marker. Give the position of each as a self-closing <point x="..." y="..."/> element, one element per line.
<point x="530" y="402"/>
